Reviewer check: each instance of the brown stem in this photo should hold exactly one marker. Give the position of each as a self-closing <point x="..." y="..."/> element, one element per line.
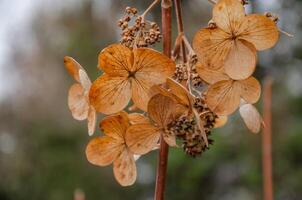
<point x="180" y="27"/>
<point x="267" y="141"/>
<point x="164" y="148"/>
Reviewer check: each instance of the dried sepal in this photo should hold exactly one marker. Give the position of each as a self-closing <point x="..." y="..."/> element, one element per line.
<point x="138" y="118"/>
<point x="209" y="75"/>
<point x="251" y="117"/>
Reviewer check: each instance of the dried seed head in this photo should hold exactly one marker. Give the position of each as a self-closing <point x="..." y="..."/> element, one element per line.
<point x="181" y="73"/>
<point x="272" y="16"/>
<point x="245" y="2"/>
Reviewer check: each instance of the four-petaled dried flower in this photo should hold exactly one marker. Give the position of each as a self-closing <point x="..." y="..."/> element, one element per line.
<point x="78" y="101"/>
<point x="128" y="74"/>
<point x="233" y="43"/>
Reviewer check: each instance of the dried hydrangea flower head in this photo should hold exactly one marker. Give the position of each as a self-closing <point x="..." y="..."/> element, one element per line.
<point x="78" y="101"/>
<point x="233" y="43"/>
<point x="141" y="33"/>
<point x="112" y="148"/>
<point x="128" y="74"/>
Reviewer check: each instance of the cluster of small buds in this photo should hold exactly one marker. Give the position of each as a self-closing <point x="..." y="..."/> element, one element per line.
<point x="185" y="128"/>
<point x="196" y="80"/>
<point x="141" y="33"/>
<point x="181" y="73"/>
<point x="272" y="16"/>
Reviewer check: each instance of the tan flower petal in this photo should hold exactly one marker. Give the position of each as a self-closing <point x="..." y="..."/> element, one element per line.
<point x="140" y="93"/>
<point x="220" y="121"/>
<point x="124" y="168"/>
<point x="251" y="117"/>
<point x="259" y="30"/>
<point x="103" y="151"/>
<point x="77" y="102"/>
<point x="137" y="118"/>
<point x="223" y="97"/>
<point x="152" y="66"/>
<point x="180" y="91"/>
<point x="160" y="109"/>
<point x="228" y="15"/>
<point x="241" y="61"/>
<point x="115" y="126"/>
<point x="84" y="80"/>
<point x="91" y="120"/>
<point x="209" y="75"/>
<point x="72" y="67"/>
<point x="212" y="47"/>
<point x="116" y="60"/>
<point x="170" y="139"/>
<point x="142" y="138"/>
<point x="110" y="94"/>
<point x="250" y="90"/>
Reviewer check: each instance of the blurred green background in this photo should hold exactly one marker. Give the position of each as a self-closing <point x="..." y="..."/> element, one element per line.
<point x="42" y="148"/>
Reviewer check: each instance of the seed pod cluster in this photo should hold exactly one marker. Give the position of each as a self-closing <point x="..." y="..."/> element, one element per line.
<point x="181" y="72"/>
<point x="136" y="31"/>
<point x="196" y="80"/>
<point x="272" y="16"/>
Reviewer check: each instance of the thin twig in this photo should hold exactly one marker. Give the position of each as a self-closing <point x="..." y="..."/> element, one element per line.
<point x="180" y="27"/>
<point x="164" y="148"/>
<point x="149" y="8"/>
<point x="267" y="141"/>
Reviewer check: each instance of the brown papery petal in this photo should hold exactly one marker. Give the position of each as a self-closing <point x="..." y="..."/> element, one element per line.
<point x="170" y="139"/>
<point x="152" y="66"/>
<point x="260" y="31"/>
<point x="72" y="67"/>
<point x="209" y="75"/>
<point x="250" y="90"/>
<point x="116" y="60"/>
<point x="228" y="15"/>
<point x="110" y="94"/>
<point x="115" y="126"/>
<point x="180" y="91"/>
<point x="220" y="121"/>
<point x="160" y="109"/>
<point x="91" y="120"/>
<point x="84" y="80"/>
<point x="212" y="47"/>
<point x="77" y="102"/>
<point x="251" y="117"/>
<point x="223" y="97"/>
<point x="103" y="151"/>
<point x="241" y="61"/>
<point x="141" y="92"/>
<point x="142" y="138"/>
<point x="124" y="168"/>
<point x="137" y="118"/>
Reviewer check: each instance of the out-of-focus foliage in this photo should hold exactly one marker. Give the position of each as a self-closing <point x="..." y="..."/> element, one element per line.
<point x="42" y="148"/>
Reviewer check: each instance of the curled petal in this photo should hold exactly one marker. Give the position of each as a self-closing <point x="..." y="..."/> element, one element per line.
<point x="116" y="60"/>
<point x="115" y="126"/>
<point x="251" y="117"/>
<point x="91" y="120"/>
<point x="124" y="168"/>
<point x="84" y="80"/>
<point x="78" y="102"/>
<point x="180" y="91"/>
<point x="72" y="67"/>
<point x="103" y="151"/>
<point x="228" y="15"/>
<point x="259" y="30"/>
<point x="250" y="90"/>
<point x="223" y="97"/>
<point x="241" y="61"/>
<point x="209" y="75"/>
<point x="142" y="138"/>
<point x="110" y="94"/>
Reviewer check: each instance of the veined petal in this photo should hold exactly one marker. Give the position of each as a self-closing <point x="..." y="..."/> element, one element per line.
<point x="73" y="67"/>
<point x="161" y="110"/>
<point x="169" y="139"/>
<point x="251" y="117"/>
<point x="228" y="15"/>
<point x="142" y="138"/>
<point x="137" y="118"/>
<point x="220" y="121"/>
<point x="78" y="102"/>
<point x="241" y="60"/>
<point x="110" y="94"/>
<point x="103" y="151"/>
<point x="180" y="91"/>
<point x="140" y="92"/>
<point x="115" y="126"/>
<point x="212" y="47"/>
<point x="116" y="60"/>
<point x="250" y="90"/>
<point x="223" y="97"/>
<point x="91" y="120"/>
<point x="209" y="75"/>
<point x="259" y="30"/>
<point x="124" y="168"/>
<point x="84" y="80"/>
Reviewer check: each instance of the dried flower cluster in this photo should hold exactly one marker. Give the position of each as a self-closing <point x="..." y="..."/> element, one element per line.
<point x="179" y="100"/>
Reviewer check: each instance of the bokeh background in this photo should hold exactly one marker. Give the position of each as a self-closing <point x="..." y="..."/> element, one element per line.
<point x="42" y="147"/>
